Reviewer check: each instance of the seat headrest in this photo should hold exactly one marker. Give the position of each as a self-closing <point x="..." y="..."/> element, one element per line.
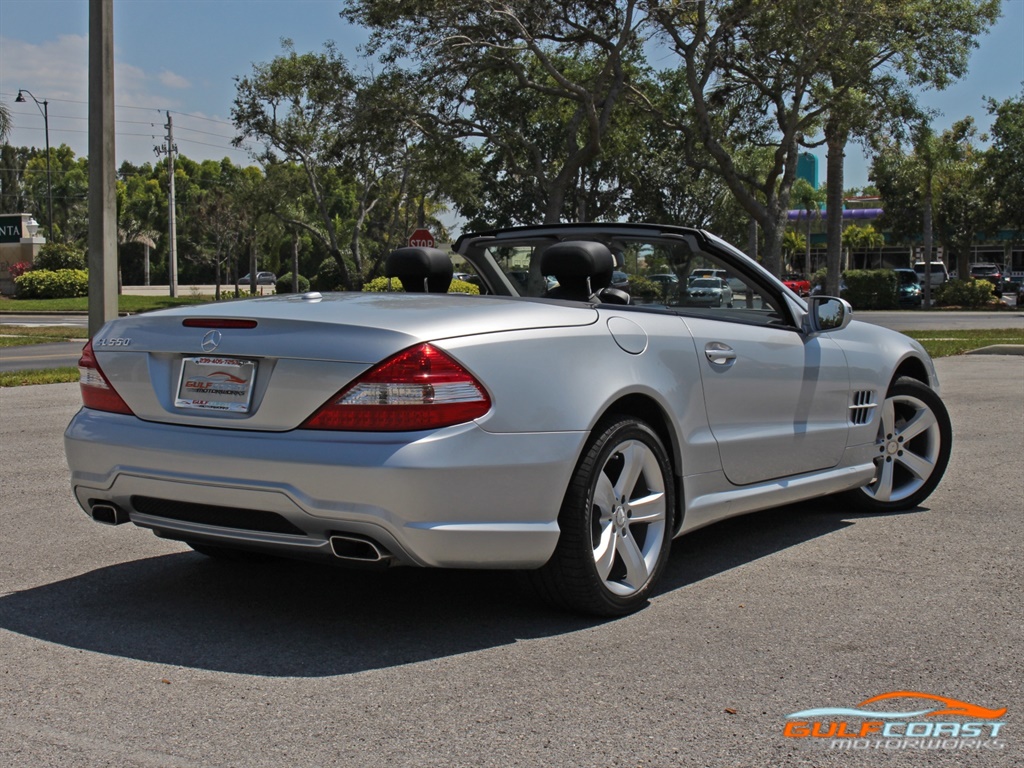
<point x="577" y="258"/>
<point x="420" y="269"/>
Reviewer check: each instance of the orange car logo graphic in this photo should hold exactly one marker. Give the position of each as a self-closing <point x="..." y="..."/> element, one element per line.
<point x="890" y="726"/>
<point x="225" y="376"/>
<point x="949" y="706"/>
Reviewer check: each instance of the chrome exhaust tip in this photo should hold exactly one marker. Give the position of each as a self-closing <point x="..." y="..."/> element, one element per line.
<point x="358" y="549"/>
<point x="108" y="514"/>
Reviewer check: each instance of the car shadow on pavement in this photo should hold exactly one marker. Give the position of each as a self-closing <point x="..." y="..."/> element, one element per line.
<point x="302" y="620"/>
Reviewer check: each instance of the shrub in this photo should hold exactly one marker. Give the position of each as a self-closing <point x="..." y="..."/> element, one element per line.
<point x="284" y="284"/>
<point x="53" y="284"/>
<point x="57" y="256"/>
<point x="328" y="276"/>
<point x="643" y="290"/>
<point x="380" y="285"/>
<point x="964" y="293"/>
<point x="871" y="288"/>
<point x="18" y="269"/>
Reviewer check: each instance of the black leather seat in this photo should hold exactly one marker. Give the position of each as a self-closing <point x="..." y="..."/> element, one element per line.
<point x="583" y="269"/>
<point x="420" y="270"/>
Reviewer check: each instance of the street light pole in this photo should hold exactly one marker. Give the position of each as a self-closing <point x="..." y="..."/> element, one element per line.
<point x="44" y="107"/>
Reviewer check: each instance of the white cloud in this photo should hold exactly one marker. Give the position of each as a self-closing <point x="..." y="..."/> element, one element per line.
<point x="173" y="80"/>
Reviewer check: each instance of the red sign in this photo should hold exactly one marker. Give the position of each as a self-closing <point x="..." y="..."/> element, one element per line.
<point x="421" y="238"/>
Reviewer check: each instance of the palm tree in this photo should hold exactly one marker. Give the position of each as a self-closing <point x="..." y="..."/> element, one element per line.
<point x="5" y="122"/>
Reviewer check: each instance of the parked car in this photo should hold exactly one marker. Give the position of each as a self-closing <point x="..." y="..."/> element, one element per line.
<point x="262" y="278"/>
<point x="620" y="280"/>
<point x="994" y="273"/>
<point x="936" y="271"/>
<point x="708" y="291"/>
<point x="570" y="436"/>
<point x="662" y="279"/>
<point x="799" y="284"/>
<point x="908" y="288"/>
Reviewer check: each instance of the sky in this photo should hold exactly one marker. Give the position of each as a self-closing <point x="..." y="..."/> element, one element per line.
<point x="182" y="56"/>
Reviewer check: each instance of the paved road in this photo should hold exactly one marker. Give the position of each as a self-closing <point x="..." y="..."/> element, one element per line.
<point x="40" y="356"/>
<point x="119" y="649"/>
<point x="38" y="319"/>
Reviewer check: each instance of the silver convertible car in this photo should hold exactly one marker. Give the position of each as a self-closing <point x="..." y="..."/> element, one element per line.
<point x="553" y="424"/>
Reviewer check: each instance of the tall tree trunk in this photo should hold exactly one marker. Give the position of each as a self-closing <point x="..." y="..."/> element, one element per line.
<point x="927" y="238"/>
<point x="836" y="139"/>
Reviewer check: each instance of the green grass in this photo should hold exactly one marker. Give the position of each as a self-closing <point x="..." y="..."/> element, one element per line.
<point x="948" y="343"/>
<point x="124" y="303"/>
<point x="49" y="376"/>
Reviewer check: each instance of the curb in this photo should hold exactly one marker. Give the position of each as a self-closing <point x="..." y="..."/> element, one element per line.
<point x="998" y="349"/>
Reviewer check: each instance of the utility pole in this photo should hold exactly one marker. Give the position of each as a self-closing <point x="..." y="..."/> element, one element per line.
<point x="102" y="172"/>
<point x="171" y="150"/>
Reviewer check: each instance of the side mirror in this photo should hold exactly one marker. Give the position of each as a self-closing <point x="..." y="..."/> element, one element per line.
<point x="827" y="313"/>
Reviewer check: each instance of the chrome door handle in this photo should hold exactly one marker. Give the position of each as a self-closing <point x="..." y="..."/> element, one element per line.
<point x="719" y="353"/>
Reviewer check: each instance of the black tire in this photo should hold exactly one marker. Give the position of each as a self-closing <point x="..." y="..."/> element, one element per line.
<point x="604" y="523"/>
<point x="229" y="554"/>
<point x="914" y="441"/>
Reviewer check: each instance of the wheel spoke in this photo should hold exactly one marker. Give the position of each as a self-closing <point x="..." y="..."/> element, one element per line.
<point x="604" y="552"/>
<point x="649" y="509"/>
<point x="920" y="466"/>
<point x="882" y="487"/>
<point x="604" y="495"/>
<point x="888" y="417"/>
<point x="636" y="567"/>
<point x="923" y="421"/>
<point x="634" y="455"/>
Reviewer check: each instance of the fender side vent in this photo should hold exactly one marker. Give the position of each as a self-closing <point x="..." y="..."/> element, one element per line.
<point x="863" y="407"/>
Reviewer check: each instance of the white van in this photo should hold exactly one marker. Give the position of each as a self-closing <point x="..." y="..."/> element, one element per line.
<point x="939" y="275"/>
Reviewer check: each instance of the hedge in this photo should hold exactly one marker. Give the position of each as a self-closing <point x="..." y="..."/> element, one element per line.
<point x="380" y="285"/>
<point x="964" y="293"/>
<point x="53" y="284"/>
<point x="284" y="284"/>
<point x="871" y="288"/>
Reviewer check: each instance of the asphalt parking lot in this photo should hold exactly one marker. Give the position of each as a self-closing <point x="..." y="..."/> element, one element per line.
<point x="119" y="649"/>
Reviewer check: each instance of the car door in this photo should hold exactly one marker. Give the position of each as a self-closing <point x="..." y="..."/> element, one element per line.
<point x="777" y="399"/>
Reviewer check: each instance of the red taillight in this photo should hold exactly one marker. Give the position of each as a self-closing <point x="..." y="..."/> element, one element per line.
<point x="96" y="390"/>
<point x="420" y="388"/>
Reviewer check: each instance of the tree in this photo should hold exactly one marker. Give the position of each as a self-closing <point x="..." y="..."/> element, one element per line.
<point x="777" y="74"/>
<point x="751" y="71"/>
<point x="810" y="200"/>
<point x="69" y="188"/>
<point x="1004" y="162"/>
<point x="297" y="105"/>
<point x="488" y="69"/>
<point x="936" y="188"/>
<point x="862" y="238"/>
<point x="884" y="51"/>
<point x="5" y="122"/>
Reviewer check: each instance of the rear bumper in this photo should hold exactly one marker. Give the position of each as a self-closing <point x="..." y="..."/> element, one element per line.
<point x="457" y="497"/>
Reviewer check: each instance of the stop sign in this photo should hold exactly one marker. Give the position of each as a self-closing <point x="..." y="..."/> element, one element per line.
<point x="421" y="238"/>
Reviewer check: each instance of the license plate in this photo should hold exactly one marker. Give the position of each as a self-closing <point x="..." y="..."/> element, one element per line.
<point x="216" y="384"/>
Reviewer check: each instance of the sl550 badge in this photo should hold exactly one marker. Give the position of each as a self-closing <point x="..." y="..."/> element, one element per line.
<point x="118" y="341"/>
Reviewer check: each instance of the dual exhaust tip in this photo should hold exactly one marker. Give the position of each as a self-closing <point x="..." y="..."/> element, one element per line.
<point x="351" y="548"/>
<point x="108" y="514"/>
<point x="355" y="548"/>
